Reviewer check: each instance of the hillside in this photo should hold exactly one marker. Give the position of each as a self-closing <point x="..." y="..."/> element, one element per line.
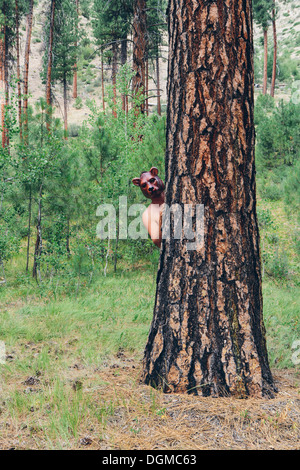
<point x="89" y="80"/>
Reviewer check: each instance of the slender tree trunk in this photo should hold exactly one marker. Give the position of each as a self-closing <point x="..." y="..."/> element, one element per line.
<point x="49" y="65"/>
<point x="39" y="242"/>
<point x="75" y="65"/>
<point x="114" y="76"/>
<point x="147" y="88"/>
<point x="1" y="262"/>
<point x="2" y="82"/>
<point x="65" y="107"/>
<point x="265" y="78"/>
<point x="274" y="53"/>
<point x="6" y="80"/>
<point x="68" y="237"/>
<point x="29" y="228"/>
<point x="18" y="70"/>
<point x="3" y="272"/>
<point x="123" y="62"/>
<point x="139" y="50"/>
<point x="158" y="84"/>
<point x="207" y="335"/>
<point x="75" y="94"/>
<point x="26" y="71"/>
<point x="116" y="249"/>
<point x="102" y="82"/>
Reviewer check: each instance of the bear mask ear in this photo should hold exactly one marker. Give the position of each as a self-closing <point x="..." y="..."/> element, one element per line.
<point x="136" y="181"/>
<point x="154" y="171"/>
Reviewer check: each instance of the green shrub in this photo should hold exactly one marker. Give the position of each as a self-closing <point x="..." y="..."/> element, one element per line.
<point x="292" y="190"/>
<point x="277" y="134"/>
<point x="78" y="103"/>
<point x="277" y="264"/>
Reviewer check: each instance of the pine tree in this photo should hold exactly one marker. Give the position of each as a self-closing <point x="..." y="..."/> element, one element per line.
<point x="111" y="25"/>
<point x="48" y="59"/>
<point x="262" y="16"/>
<point x="7" y="37"/>
<point x="26" y="69"/>
<point x="76" y="45"/>
<point x="64" y="49"/>
<point x="140" y="51"/>
<point x="207" y="336"/>
<point x="274" y="13"/>
<point x="157" y="27"/>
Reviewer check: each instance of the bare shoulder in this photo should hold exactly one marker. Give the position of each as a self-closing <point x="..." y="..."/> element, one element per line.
<point x="145" y="215"/>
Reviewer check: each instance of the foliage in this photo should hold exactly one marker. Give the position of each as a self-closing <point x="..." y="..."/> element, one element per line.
<point x="262" y="12"/>
<point x="278" y="136"/>
<point x="65" y="37"/>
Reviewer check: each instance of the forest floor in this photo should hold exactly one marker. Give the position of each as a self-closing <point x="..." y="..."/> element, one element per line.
<point x="108" y="409"/>
<point x="70" y="379"/>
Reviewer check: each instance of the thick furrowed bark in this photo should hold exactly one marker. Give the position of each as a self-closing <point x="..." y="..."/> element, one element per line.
<point x="207" y="336"/>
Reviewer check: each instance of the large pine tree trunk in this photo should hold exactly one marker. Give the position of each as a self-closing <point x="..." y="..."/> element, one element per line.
<point x="139" y="50"/>
<point x="265" y="77"/>
<point x="26" y="71"/>
<point x="272" y="92"/>
<point x="207" y="335"/>
<point x="49" y="64"/>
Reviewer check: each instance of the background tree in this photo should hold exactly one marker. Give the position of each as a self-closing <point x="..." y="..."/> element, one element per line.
<point x="274" y="13"/>
<point x="29" y="20"/>
<point x="140" y="50"/>
<point x="49" y="58"/>
<point x="157" y="28"/>
<point x="64" y="48"/>
<point x="111" y="25"/>
<point x="76" y="45"/>
<point x="207" y="335"/>
<point x="262" y="15"/>
<point x="7" y="37"/>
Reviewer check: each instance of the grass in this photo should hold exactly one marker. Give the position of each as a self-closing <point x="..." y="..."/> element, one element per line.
<point x="71" y="378"/>
<point x="73" y="362"/>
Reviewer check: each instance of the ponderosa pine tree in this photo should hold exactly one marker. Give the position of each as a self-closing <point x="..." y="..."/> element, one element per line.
<point x="48" y="59"/>
<point x="157" y="27"/>
<point x="29" y="21"/>
<point x="18" y="68"/>
<point x="7" y="37"/>
<point x="274" y="14"/>
<point x="76" y="45"/>
<point x="262" y="16"/>
<point x="64" y="49"/>
<point x="2" y="72"/>
<point x="111" y="25"/>
<point x="207" y="335"/>
<point x="140" y="50"/>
